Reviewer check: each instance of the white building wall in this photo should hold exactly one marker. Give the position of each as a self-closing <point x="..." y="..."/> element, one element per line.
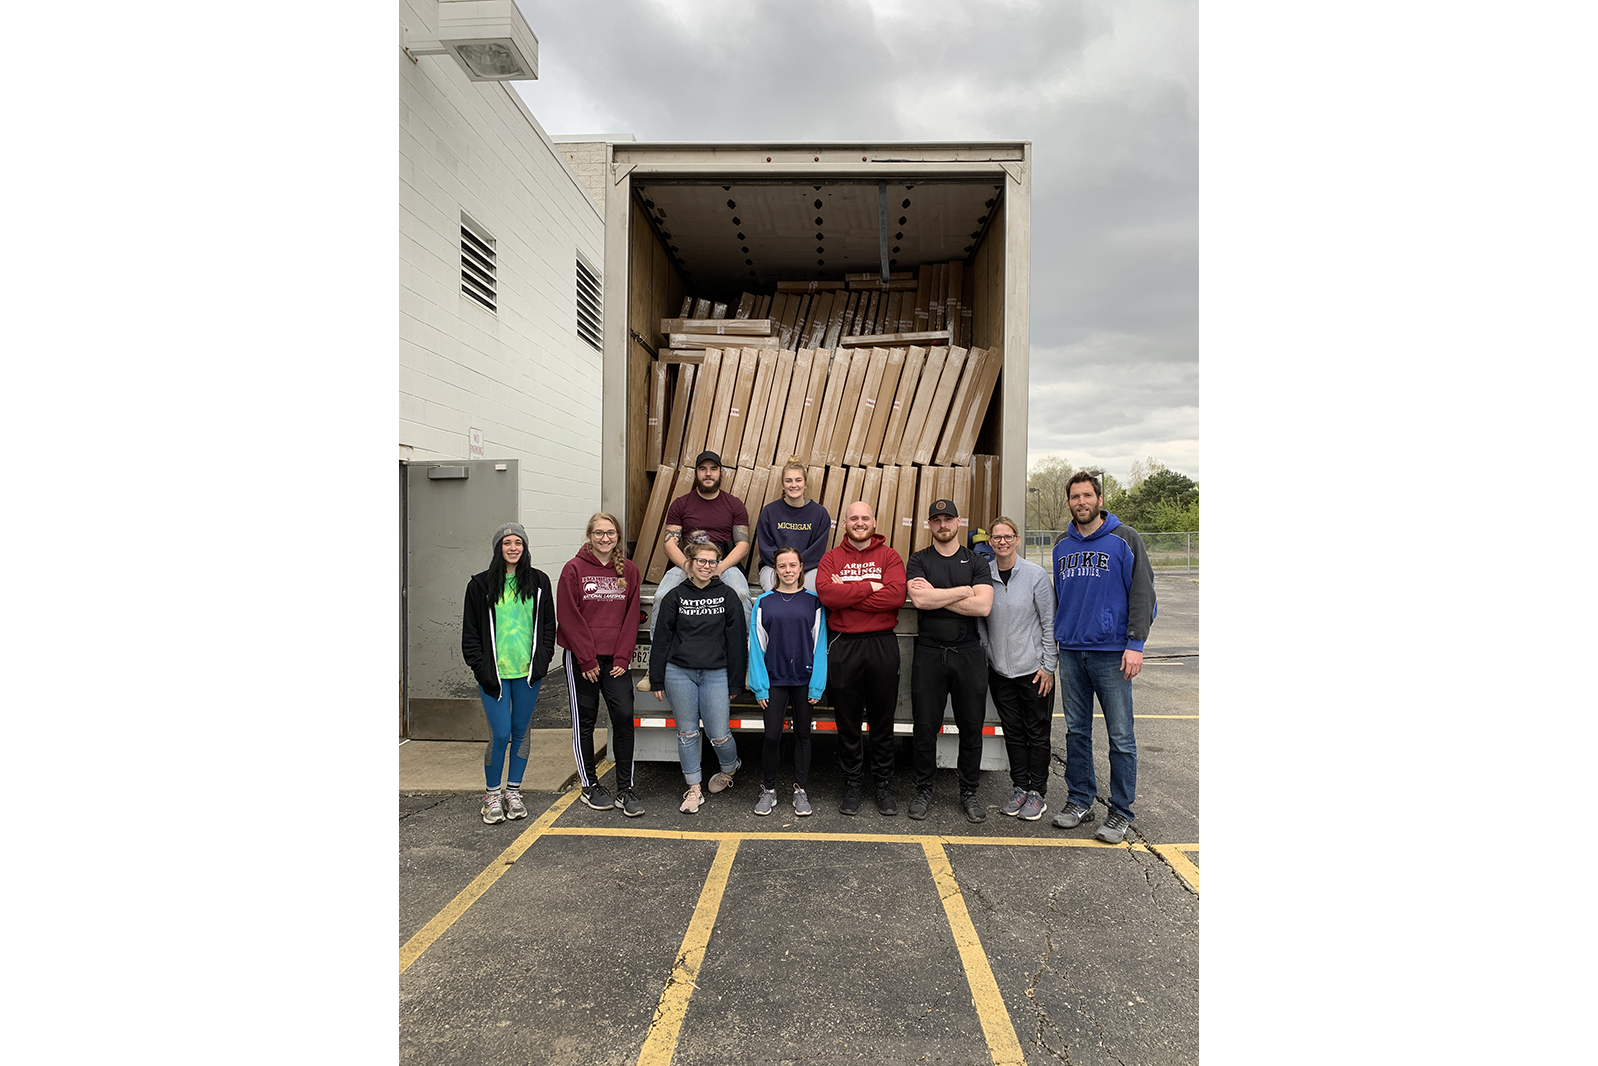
<point x="523" y="376"/>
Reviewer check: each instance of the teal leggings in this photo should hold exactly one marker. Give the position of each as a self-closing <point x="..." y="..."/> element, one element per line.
<point x="508" y="718"/>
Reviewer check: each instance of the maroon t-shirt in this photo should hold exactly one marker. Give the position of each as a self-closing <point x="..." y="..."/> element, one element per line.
<point x="716" y="517"/>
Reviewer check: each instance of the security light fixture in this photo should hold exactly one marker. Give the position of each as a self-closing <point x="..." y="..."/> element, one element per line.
<point x="488" y="38"/>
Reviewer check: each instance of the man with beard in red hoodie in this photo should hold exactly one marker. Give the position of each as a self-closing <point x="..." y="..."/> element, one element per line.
<point x="861" y="583"/>
<point x="596" y="621"/>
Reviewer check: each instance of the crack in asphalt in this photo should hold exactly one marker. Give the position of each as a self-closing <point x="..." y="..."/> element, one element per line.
<point x="429" y="807"/>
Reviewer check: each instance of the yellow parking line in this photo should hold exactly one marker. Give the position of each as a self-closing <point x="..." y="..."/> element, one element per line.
<point x="859" y="838"/>
<point x="661" y="1041"/>
<point x="484" y="881"/>
<point x="996" y="1025"/>
<point x="1172" y="853"/>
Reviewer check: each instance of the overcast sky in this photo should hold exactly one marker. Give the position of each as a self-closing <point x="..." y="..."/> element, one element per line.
<point x="1106" y="92"/>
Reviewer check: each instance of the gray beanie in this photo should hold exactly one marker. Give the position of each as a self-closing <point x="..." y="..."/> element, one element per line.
<point x="506" y="530"/>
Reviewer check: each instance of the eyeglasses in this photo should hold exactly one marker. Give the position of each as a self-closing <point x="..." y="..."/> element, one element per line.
<point x="705" y="561"/>
<point x="603" y="534"/>
<point x="1003" y="538"/>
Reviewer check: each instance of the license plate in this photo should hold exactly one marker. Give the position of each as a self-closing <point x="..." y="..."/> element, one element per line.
<point x="640" y="658"/>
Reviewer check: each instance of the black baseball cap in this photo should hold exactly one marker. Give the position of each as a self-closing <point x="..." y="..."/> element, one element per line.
<point x="942" y="507"/>
<point x="707" y="457"/>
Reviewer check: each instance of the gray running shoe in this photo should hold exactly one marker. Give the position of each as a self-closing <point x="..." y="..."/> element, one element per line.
<point x="722" y="779"/>
<point x="1033" y="808"/>
<point x="801" y="802"/>
<point x="691" y="800"/>
<point x="514" y="807"/>
<point x="1072" y="816"/>
<point x="598" y="798"/>
<point x="920" y="805"/>
<point x="975" y="809"/>
<point x="493" y="811"/>
<point x="629" y="803"/>
<point x="1013" y="805"/>
<point x="767" y="802"/>
<point x="1113" y="831"/>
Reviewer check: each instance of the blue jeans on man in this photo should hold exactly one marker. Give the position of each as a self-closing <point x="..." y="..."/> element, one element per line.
<point x="1084" y="674"/>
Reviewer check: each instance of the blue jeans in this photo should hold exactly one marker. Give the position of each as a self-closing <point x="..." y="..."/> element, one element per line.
<point x="1082" y="675"/>
<point x="508" y="718"/>
<point x="696" y="695"/>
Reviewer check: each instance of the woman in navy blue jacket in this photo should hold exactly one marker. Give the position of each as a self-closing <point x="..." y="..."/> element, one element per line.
<point x="787" y="672"/>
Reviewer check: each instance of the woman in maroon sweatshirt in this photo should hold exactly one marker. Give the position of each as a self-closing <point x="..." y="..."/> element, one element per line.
<point x="596" y="621"/>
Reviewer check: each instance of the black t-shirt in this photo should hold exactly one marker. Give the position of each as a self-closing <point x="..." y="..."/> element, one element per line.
<point x="943" y="627"/>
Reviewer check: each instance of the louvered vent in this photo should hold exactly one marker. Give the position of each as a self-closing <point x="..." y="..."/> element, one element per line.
<point x="590" y="307"/>
<point x="477" y="268"/>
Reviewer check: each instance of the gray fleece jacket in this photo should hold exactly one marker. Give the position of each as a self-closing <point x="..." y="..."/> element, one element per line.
<point x="1018" y="634"/>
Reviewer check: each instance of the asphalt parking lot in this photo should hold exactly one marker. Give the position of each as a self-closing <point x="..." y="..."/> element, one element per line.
<point x="581" y="936"/>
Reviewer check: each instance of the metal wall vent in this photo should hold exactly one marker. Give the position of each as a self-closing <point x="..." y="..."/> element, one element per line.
<point x="478" y="277"/>
<point x="590" y="307"/>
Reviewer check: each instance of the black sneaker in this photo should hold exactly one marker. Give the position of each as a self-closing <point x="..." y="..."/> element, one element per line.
<point x="920" y="805"/>
<point x="629" y="803"/>
<point x="975" y="809"/>
<point x="851" y="801"/>
<point x="887" y="806"/>
<point x="599" y="798"/>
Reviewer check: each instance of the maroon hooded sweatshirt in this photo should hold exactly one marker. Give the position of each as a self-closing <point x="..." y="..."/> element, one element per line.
<point x="595" y="614"/>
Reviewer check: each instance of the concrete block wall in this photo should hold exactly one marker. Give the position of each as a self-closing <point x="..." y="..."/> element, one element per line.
<point x="523" y="376"/>
<point x="587" y="160"/>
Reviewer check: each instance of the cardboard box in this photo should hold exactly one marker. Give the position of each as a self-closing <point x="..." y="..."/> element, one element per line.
<point x="924" y="497"/>
<point x="827" y="422"/>
<point x="687" y="306"/>
<point x="961" y="495"/>
<point x="897" y="340"/>
<point x="659" y="561"/>
<point x="701" y="309"/>
<point x="922" y="314"/>
<point x="718" y="310"/>
<point x="706" y="340"/>
<point x="776" y="403"/>
<point x="975" y="360"/>
<point x="656" y="418"/>
<point x="737" y="482"/>
<point x="726" y="327"/>
<point x="738" y="406"/>
<point x="815" y="392"/>
<point x="899" y="409"/>
<point x="793" y="408"/>
<point x="939" y="411"/>
<point x="755" y="414"/>
<point x="815" y="330"/>
<point x="809" y="286"/>
<point x="833" y="500"/>
<point x="977" y="409"/>
<point x="677" y="416"/>
<point x="848" y="404"/>
<point x="865" y="407"/>
<point x="904" y="524"/>
<point x="700" y="408"/>
<point x="882" y="406"/>
<point x="746" y="304"/>
<point x="886" y="507"/>
<point x="874" y="277"/>
<point x="916" y="421"/>
<point x="871" y="489"/>
<point x="648" y="533"/>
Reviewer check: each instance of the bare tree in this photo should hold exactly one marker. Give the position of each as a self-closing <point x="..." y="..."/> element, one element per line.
<point x="1046" y="493"/>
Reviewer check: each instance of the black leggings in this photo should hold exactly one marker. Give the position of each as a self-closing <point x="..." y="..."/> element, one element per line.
<point x="787" y="700"/>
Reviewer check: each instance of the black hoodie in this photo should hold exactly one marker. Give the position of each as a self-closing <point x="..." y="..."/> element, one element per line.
<point x="477" y="630"/>
<point x="700" y="629"/>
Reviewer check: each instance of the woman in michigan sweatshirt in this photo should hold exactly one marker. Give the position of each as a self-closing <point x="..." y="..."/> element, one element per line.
<point x="792" y="520"/>
<point x="697" y="659"/>
<point x="597" y="602"/>
<point x="788" y="673"/>
<point x="507" y="640"/>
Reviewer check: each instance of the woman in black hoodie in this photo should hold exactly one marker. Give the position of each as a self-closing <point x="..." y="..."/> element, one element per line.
<point x="698" y="660"/>
<point x="507" y="639"/>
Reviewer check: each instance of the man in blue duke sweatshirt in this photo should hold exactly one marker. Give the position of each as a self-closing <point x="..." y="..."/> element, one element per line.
<point x="1104" y="595"/>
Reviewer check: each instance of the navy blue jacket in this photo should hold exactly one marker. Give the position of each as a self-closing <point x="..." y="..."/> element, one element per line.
<point x="807" y="528"/>
<point x="1103" y="589"/>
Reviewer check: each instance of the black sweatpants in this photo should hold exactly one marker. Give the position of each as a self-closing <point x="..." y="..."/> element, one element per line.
<point x="863" y="685"/>
<point x="1026" y="717"/>
<point x="618" y="693"/>
<point x="787" y="700"/>
<point x="939" y="676"/>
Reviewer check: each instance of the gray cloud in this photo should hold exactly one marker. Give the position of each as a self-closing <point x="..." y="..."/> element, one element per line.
<point x="1107" y="93"/>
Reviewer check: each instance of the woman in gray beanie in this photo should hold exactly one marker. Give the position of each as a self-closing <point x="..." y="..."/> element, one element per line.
<point x="507" y="639"/>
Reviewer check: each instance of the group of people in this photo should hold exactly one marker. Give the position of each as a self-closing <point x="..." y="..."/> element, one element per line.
<point x="990" y="622"/>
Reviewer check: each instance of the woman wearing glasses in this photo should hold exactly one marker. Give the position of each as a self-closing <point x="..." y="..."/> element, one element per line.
<point x="597" y="623"/>
<point x="697" y="659"/>
<point x="1018" y="635"/>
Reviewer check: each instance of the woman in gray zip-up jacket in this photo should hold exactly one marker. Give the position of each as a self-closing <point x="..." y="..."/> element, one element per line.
<point x="1018" y="636"/>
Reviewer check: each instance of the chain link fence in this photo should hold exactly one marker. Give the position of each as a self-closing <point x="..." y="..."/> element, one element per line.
<point x="1167" y="551"/>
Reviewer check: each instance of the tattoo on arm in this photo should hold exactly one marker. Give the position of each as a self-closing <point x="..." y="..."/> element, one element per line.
<point x="740" y="534"/>
<point x="673" y="534"/>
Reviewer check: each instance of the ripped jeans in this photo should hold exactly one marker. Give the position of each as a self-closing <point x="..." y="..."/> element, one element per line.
<point x="697" y="695"/>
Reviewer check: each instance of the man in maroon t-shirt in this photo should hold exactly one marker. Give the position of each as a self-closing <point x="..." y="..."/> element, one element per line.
<point x="722" y="517"/>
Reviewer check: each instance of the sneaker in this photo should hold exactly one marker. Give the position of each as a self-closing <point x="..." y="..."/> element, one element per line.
<point x="1033" y="808"/>
<point x="514" y="807"/>
<point x="767" y="802"/>
<point x="1013" y="805"/>
<point x="920" y="805"/>
<point x="801" y="802"/>
<point x="1113" y="831"/>
<point x="1073" y="815"/>
<point x="629" y="803"/>
<point x="887" y="806"/>
<point x="850" y="804"/>
<point x="975" y="809"/>
<point x="722" y="779"/>
<point x="598" y="798"/>
<point x="691" y="800"/>
<point x="493" y="811"/>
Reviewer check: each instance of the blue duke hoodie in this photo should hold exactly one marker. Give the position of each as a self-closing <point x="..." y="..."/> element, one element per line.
<point x="1103" y="589"/>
